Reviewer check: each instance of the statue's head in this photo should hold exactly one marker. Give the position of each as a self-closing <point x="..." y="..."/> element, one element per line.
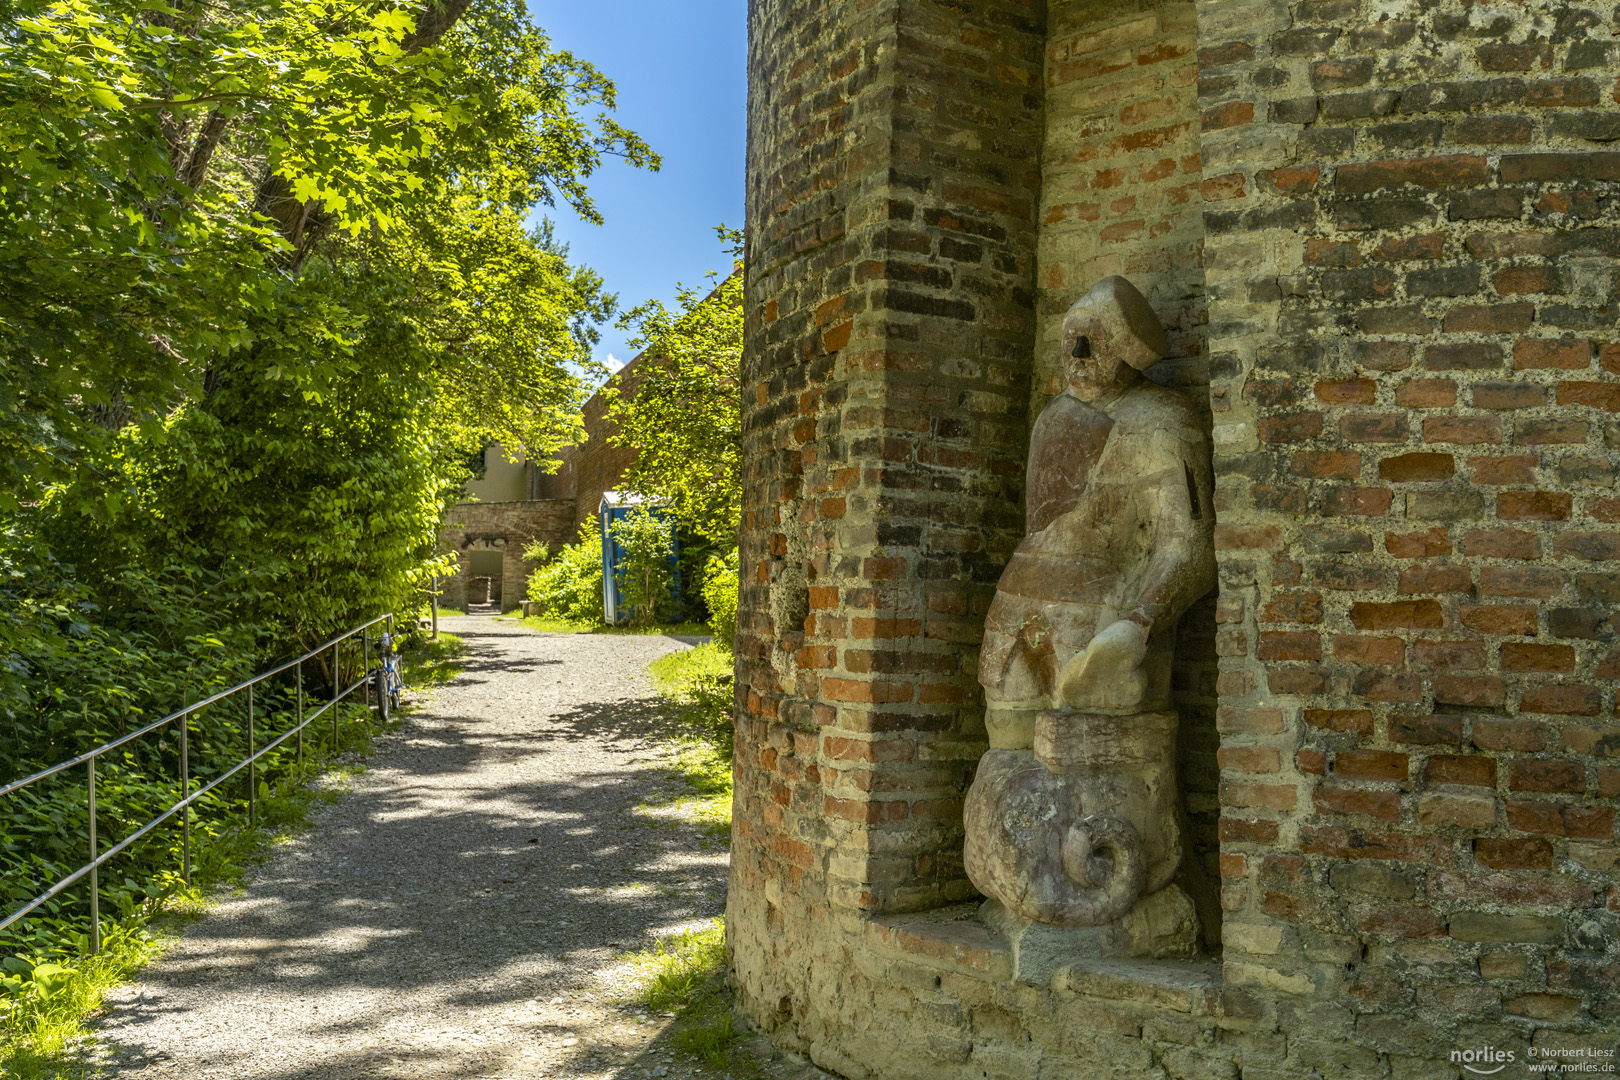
<point x="1109" y="335"/>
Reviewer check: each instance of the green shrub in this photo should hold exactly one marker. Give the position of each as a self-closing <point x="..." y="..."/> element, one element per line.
<point x="649" y="545"/>
<point x="720" y="594"/>
<point x="570" y="585"/>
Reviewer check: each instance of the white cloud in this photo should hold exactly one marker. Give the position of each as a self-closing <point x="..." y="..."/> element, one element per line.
<point x="613" y="363"/>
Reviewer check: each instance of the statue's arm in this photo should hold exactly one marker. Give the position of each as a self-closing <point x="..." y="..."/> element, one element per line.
<point x="1181" y="567"/>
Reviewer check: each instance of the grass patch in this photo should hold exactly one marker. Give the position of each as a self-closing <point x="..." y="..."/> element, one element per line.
<point x="427" y="662"/>
<point x="684" y="975"/>
<point x="696" y="683"/>
<point x="546" y="624"/>
<point x="450" y="612"/>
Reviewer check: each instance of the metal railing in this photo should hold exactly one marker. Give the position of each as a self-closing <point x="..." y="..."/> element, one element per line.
<point x="187" y="796"/>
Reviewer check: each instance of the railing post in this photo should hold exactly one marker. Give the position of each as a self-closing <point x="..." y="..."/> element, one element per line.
<point x="253" y="768"/>
<point x="365" y="670"/>
<point x="435" y="607"/>
<point x="95" y="872"/>
<point x="336" y="676"/>
<point x="185" y="794"/>
<point x="300" y="673"/>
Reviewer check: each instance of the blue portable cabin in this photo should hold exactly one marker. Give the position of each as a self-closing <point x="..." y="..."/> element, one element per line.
<point x="615" y="505"/>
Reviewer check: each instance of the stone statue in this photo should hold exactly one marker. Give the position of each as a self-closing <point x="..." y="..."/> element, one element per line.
<point x="1073" y="819"/>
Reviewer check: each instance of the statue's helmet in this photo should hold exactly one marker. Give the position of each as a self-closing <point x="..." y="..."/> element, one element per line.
<point x="1116" y="317"/>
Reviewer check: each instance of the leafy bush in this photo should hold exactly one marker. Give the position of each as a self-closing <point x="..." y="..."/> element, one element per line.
<point x="699" y="680"/>
<point x="570" y="585"/>
<point x="649" y="545"/>
<point x="720" y="594"/>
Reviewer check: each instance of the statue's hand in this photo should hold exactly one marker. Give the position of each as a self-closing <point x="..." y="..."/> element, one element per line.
<point x="1108" y="673"/>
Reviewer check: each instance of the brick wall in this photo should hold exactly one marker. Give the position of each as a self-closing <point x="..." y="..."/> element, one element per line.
<point x="507" y="527"/>
<point x="892" y="177"/>
<point x="1412" y="279"/>
<point x="1397" y="276"/>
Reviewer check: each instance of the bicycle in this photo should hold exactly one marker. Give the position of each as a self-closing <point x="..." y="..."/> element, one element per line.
<point x="386" y="679"/>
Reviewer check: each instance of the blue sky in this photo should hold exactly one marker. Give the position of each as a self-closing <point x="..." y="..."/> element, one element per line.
<point x="680" y="72"/>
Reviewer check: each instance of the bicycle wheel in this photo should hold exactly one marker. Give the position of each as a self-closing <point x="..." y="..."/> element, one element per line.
<point x="380" y="683"/>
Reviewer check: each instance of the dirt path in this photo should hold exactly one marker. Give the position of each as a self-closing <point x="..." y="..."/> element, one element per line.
<point x="464" y="911"/>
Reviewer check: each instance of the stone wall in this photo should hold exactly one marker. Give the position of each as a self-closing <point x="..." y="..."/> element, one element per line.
<point x="1396" y="273"/>
<point x="506" y="527"/>
<point x="1412" y="290"/>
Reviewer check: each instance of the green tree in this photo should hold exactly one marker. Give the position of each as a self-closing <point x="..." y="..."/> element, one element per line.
<point x="167" y="171"/>
<point x="648" y="540"/>
<point x="683" y="415"/>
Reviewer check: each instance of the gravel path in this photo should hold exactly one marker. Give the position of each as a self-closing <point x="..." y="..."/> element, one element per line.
<point x="464" y="910"/>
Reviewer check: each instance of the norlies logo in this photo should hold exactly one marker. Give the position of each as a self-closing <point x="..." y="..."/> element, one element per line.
<point x="1485" y="1061"/>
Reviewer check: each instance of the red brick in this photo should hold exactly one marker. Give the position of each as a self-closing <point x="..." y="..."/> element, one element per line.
<point x="1426" y="394"/>
<point x="1356" y="502"/>
<point x="1501" y="544"/>
<point x="1562" y="700"/>
<point x="1290" y="645"/>
<point x="1359" y="721"/>
<point x="1370" y="765"/>
<point x="1534" y="505"/>
<point x="865" y="812"/>
<point x="1361" y="649"/>
<point x="1469" y="769"/>
<point x="1518" y="469"/>
<point x="1417" y="467"/>
<point x="1506" y="396"/>
<point x="1329" y="465"/>
<point x="1259" y="796"/>
<point x="1525" y="736"/>
<point x="1245" y="831"/>
<point x="1375" y="427"/>
<point x="1340" y="842"/>
<point x="1416" y="545"/>
<point x="1304" y="681"/>
<point x="1231" y="114"/>
<point x="1515" y="854"/>
<point x="1293" y="608"/>
<point x="1521" y="656"/>
<point x="1598" y="395"/>
<point x="1433" y="174"/>
<point x="1604" y="510"/>
<point x="1463" y="430"/>
<point x="1233" y="720"/>
<point x="1477" y="690"/>
<point x="1405" y="614"/>
<point x="1403" y="248"/>
<point x="1435" y="579"/>
<point x="1523" y="582"/>
<point x="1249" y="759"/>
<point x="1450" y="655"/>
<point x="1544" y="775"/>
<point x="1292" y="179"/>
<point x="1295" y="427"/>
<point x="1385" y="805"/>
<point x="1550" y="432"/>
<point x="1377" y="685"/>
<point x="1426" y="730"/>
<point x="1247" y="538"/>
<point x="1558" y="819"/>
<point x="1489" y="318"/>
<point x="1524" y="280"/>
<point x="858" y="690"/>
<point x="1513" y="619"/>
<point x="1593" y="546"/>
<point x="1347" y="391"/>
<point x="1222" y="188"/>
<point x="1533" y="353"/>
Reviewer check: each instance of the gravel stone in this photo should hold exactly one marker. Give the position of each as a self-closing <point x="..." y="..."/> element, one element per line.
<point x="465" y="909"/>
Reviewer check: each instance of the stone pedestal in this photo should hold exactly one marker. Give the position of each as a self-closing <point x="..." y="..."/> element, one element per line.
<point x="1077" y="841"/>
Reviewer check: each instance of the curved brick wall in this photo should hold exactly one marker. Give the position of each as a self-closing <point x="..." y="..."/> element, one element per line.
<point x="1395" y="269"/>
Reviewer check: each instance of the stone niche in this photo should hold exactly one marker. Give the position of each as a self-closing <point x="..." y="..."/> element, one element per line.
<point x="1380" y="241"/>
